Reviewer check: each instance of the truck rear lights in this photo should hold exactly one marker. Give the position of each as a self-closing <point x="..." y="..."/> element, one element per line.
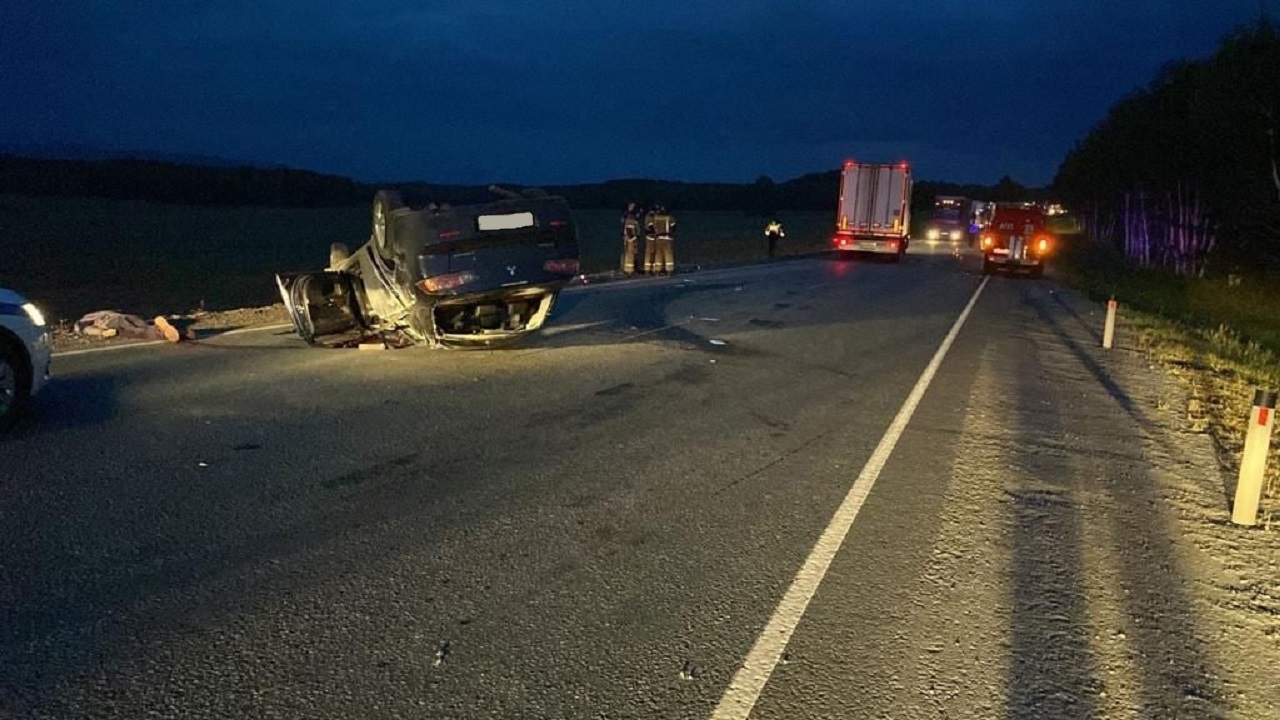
<point x="562" y="267"/>
<point x="448" y="281"/>
<point x="893" y="245"/>
<point x="988" y="241"/>
<point x="1043" y="245"/>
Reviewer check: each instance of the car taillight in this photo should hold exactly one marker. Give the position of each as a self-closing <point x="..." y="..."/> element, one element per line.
<point x="448" y="281"/>
<point x="562" y="267"/>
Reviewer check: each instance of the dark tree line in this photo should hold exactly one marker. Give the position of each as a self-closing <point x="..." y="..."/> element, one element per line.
<point x="1183" y="174"/>
<point x="814" y="192"/>
<point x="166" y="182"/>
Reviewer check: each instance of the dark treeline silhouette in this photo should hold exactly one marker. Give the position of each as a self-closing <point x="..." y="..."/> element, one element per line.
<point x="1184" y="174"/>
<point x="815" y="192"/>
<point x="168" y="182"/>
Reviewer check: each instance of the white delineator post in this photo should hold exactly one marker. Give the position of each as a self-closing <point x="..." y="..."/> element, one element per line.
<point x="1109" y="329"/>
<point x="1253" y="463"/>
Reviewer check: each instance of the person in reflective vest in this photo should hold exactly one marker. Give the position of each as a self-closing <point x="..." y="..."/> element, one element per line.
<point x="774" y="232"/>
<point x="650" y="240"/>
<point x="630" y="236"/>
<point x="660" y="225"/>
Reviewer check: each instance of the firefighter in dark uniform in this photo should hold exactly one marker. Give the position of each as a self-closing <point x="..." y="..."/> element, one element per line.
<point x="630" y="236"/>
<point x="661" y="226"/>
<point x="650" y="240"/>
<point x="774" y="232"/>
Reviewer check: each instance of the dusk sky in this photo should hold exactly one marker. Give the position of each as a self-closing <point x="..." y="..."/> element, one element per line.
<point x="475" y="91"/>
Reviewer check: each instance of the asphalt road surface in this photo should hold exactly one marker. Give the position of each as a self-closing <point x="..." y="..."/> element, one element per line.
<point x="601" y="523"/>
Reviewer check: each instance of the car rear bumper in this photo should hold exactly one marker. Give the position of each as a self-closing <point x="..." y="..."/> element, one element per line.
<point x="1013" y="263"/>
<point x="1007" y="261"/>
<point x="886" y="246"/>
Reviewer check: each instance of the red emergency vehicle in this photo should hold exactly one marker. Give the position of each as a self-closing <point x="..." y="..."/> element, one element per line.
<point x="1017" y="239"/>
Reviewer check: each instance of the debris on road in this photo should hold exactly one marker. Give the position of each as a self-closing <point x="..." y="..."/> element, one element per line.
<point x="195" y="325"/>
<point x="718" y="342"/>
<point x="107" y="324"/>
<point x="167" y="329"/>
<point x="441" y="654"/>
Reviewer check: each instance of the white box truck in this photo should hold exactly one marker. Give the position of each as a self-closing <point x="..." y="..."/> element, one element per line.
<point x="874" y="214"/>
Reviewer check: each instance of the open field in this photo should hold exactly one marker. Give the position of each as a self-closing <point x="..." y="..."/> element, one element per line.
<point x="77" y="255"/>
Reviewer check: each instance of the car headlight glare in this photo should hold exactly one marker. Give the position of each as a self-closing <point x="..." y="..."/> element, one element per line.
<point x="955" y="234"/>
<point x="34" y="313"/>
<point x="933" y="234"/>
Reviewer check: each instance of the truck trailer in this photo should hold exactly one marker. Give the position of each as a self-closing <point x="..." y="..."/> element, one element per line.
<point x="874" y="212"/>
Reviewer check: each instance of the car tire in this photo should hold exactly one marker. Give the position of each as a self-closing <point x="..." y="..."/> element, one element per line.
<point x="338" y="254"/>
<point x="15" y="381"/>
<point x="384" y="203"/>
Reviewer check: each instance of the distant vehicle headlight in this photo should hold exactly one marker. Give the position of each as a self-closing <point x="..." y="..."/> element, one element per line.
<point x="33" y="312"/>
<point x="933" y="234"/>
<point x="955" y="234"/>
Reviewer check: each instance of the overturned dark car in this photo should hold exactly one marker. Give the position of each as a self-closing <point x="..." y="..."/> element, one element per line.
<point x="470" y="276"/>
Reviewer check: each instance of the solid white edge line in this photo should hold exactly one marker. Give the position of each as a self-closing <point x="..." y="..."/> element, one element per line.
<point x="747" y="684"/>
<point x="148" y="343"/>
<point x="90" y="351"/>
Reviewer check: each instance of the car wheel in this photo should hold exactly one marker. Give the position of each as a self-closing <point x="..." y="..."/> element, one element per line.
<point x="15" y="383"/>
<point x="338" y="254"/>
<point x="384" y="203"/>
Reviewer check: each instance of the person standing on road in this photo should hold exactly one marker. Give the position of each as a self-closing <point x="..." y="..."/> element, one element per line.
<point x="662" y="226"/>
<point x="774" y="232"/>
<point x="630" y="236"/>
<point x="650" y="240"/>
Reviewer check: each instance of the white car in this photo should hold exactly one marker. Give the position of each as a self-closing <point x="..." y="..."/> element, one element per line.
<point x="24" y="353"/>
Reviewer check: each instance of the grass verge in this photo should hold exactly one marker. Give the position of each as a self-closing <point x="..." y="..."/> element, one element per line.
<point x="1221" y="340"/>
